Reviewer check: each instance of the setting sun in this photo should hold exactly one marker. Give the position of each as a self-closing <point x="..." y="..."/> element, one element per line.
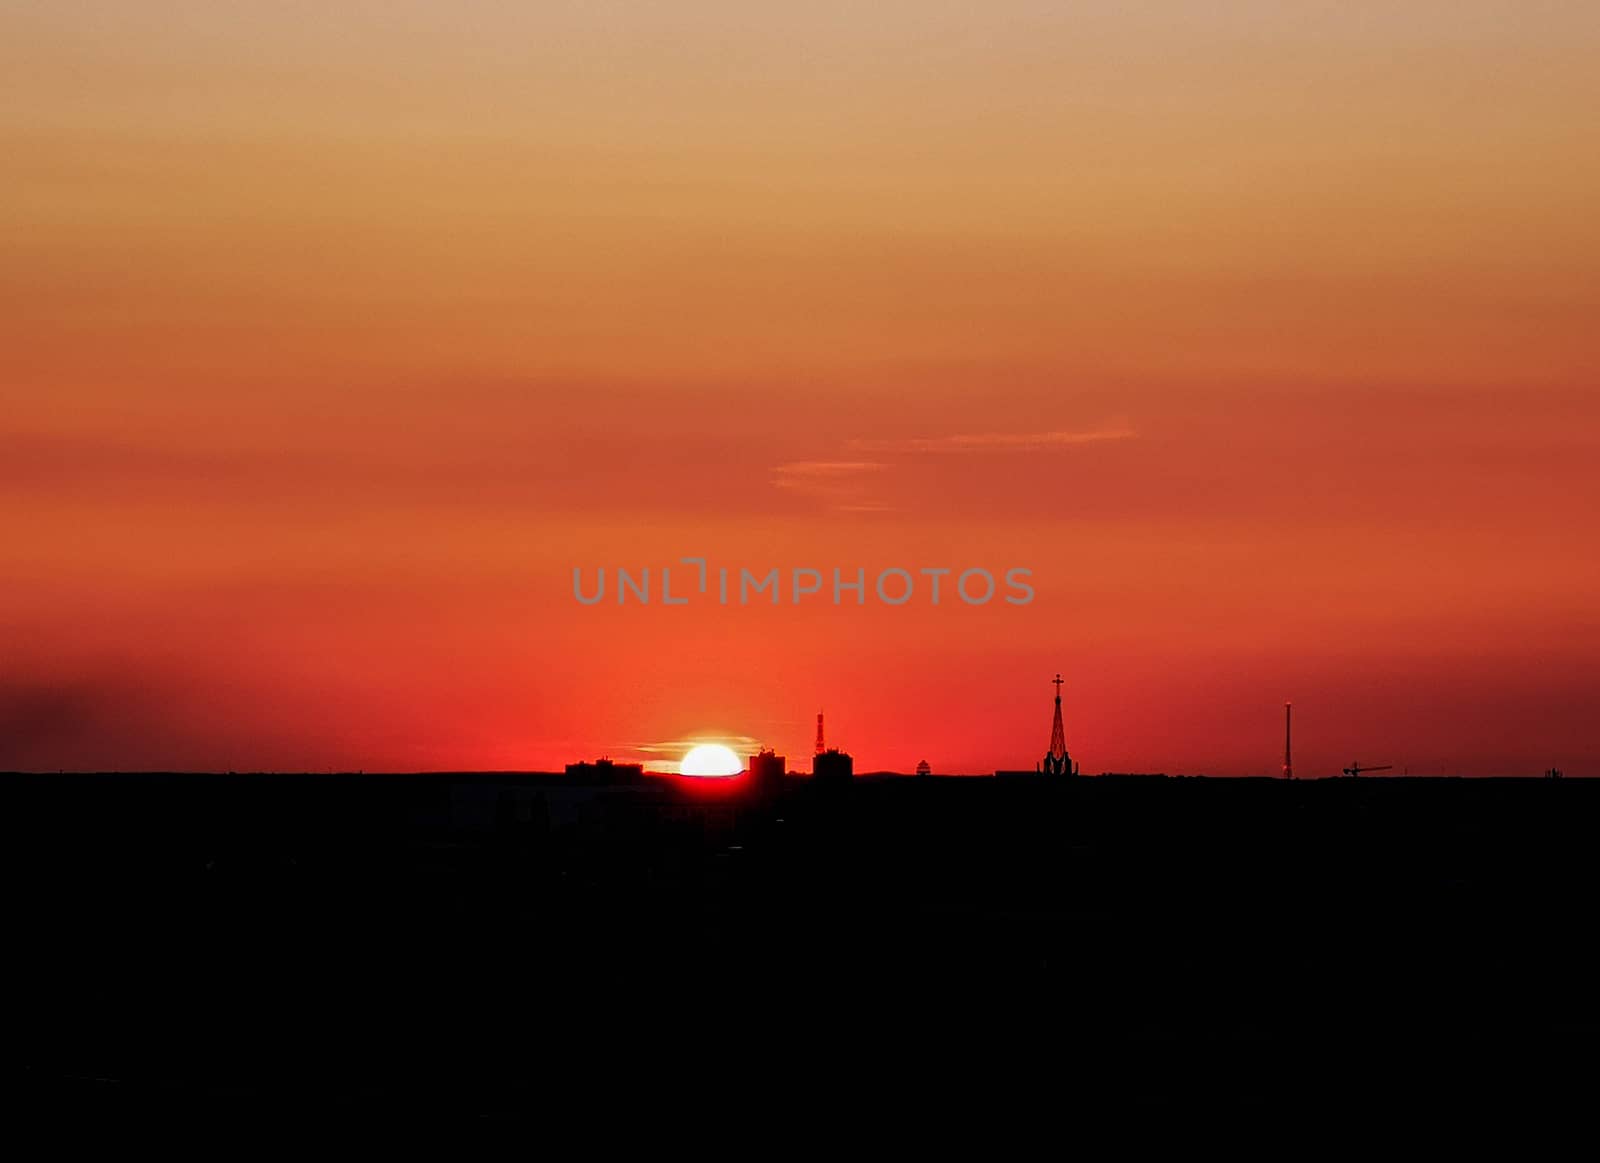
<point x="710" y="759"/>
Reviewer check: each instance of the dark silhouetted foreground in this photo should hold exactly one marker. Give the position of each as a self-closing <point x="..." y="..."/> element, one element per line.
<point x="410" y="947"/>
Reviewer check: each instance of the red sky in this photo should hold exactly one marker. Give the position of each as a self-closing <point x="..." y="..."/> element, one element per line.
<point x="331" y="342"/>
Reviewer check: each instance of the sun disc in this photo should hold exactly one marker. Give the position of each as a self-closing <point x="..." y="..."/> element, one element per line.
<point x="710" y="759"/>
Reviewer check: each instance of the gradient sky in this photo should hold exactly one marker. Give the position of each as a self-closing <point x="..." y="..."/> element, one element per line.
<point x="331" y="340"/>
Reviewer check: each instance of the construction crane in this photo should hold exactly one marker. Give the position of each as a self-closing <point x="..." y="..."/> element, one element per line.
<point x="1357" y="769"/>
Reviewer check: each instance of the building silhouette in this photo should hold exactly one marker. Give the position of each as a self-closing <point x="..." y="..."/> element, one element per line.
<point x="832" y="765"/>
<point x="604" y="772"/>
<point x="766" y="771"/>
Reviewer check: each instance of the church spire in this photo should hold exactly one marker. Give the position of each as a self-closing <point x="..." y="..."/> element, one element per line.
<point x="1057" y="761"/>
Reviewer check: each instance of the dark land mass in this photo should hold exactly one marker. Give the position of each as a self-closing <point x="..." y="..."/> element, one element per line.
<point x="405" y="948"/>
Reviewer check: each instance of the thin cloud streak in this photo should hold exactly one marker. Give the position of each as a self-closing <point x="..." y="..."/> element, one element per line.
<point x="803" y="470"/>
<point x="843" y="483"/>
<point x="990" y="441"/>
<point x="676" y="748"/>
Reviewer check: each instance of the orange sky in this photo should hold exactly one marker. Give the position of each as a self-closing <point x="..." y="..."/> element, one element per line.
<point x="331" y="342"/>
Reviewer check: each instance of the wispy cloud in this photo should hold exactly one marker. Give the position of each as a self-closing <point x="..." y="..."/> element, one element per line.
<point x="856" y="486"/>
<point x="990" y="441"/>
<point x="808" y="470"/>
<point x="844" y="484"/>
<point x="676" y="748"/>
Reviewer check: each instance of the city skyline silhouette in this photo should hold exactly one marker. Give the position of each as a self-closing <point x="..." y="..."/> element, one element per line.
<point x="659" y="760"/>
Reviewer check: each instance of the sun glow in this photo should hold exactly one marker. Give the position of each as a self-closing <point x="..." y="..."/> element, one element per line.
<point x="711" y="759"/>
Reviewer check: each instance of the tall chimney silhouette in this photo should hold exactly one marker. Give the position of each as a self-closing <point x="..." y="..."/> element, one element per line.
<point x="1288" y="760"/>
<point x="821" y="747"/>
